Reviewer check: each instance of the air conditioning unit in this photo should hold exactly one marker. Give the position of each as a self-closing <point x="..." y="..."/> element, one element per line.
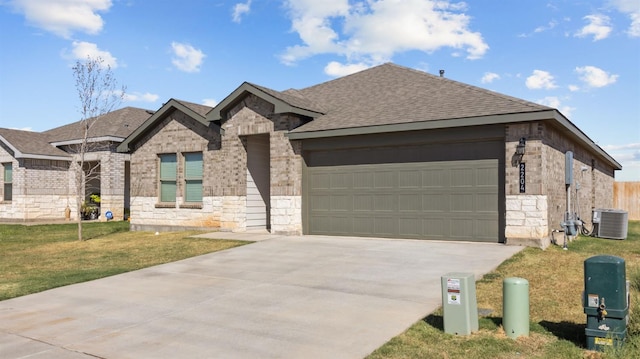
<point x="610" y="223"/>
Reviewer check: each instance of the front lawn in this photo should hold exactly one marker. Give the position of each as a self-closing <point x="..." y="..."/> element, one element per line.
<point x="556" y="282"/>
<point x="37" y="258"/>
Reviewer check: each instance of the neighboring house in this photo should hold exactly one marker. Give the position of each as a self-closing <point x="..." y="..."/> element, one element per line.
<point x="386" y="152"/>
<point x="37" y="183"/>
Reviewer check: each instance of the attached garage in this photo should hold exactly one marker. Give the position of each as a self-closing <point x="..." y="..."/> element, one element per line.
<point x="433" y="190"/>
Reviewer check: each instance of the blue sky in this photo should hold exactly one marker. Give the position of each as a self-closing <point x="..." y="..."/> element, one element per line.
<point x="581" y="57"/>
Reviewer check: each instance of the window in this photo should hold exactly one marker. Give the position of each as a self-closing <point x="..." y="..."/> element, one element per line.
<point x="8" y="181"/>
<point x="168" y="170"/>
<point x="193" y="177"/>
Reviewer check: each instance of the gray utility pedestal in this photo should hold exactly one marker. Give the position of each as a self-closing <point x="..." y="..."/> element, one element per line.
<point x="459" y="303"/>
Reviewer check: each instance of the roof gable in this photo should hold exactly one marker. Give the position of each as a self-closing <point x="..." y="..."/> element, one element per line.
<point x="27" y="144"/>
<point x="284" y="102"/>
<point x="195" y="111"/>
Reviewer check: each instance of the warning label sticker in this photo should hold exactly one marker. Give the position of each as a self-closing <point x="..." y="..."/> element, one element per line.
<point x="453" y="285"/>
<point x="593" y="300"/>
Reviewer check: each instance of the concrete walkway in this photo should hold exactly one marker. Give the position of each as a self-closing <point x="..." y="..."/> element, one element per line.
<point x="282" y="297"/>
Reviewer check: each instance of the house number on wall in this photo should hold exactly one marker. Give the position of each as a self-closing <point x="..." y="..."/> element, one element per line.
<point x="522" y="178"/>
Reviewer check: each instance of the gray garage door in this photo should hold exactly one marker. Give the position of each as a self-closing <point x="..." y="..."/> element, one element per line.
<point x="447" y="200"/>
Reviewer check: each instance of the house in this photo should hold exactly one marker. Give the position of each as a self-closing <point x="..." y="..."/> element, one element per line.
<point x="37" y="180"/>
<point x="385" y="152"/>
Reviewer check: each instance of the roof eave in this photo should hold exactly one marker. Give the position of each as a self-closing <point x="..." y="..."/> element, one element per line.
<point x="90" y="140"/>
<point x="551" y="114"/>
<point x="16" y="152"/>
<point x="44" y="157"/>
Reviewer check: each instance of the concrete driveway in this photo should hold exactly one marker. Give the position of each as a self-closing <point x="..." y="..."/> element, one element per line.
<point x="283" y="297"/>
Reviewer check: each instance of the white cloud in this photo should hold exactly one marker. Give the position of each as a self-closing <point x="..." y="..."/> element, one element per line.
<point x="574" y="88"/>
<point x="549" y="26"/>
<point x="240" y="9"/>
<point x="554" y="102"/>
<point x="186" y="57"/>
<point x="540" y="80"/>
<point x="22" y="129"/>
<point x="372" y="32"/>
<point x="209" y="102"/>
<point x="337" y="69"/>
<point x="628" y="146"/>
<point x="595" y="77"/>
<point x="632" y="9"/>
<point x="63" y="17"/>
<point x="489" y="77"/>
<point x="598" y="26"/>
<point x="140" y="97"/>
<point x="82" y="50"/>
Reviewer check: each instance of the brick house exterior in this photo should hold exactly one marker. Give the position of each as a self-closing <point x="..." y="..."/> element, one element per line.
<point x="41" y="165"/>
<point x="388" y="152"/>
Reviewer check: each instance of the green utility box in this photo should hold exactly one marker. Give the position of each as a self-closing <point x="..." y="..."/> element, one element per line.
<point x="605" y="301"/>
<point x="515" y="307"/>
<point x="459" y="303"/>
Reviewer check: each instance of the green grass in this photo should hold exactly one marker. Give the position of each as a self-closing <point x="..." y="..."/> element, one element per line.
<point x="37" y="258"/>
<point x="556" y="282"/>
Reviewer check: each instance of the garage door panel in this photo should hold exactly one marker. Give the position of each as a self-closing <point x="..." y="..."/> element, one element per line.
<point x="462" y="177"/>
<point x="454" y="200"/>
<point x="409" y="203"/>
<point x="434" y="178"/>
<point x="362" y="180"/>
<point x="386" y="226"/>
<point x="384" y="180"/>
<point x="462" y="228"/>
<point x="462" y="202"/>
<point x="322" y="203"/>
<point x="409" y="179"/>
<point x="486" y="177"/>
<point x="340" y="203"/>
<point x="435" y="228"/>
<point x="485" y="202"/>
<point x="362" y="202"/>
<point x="433" y="202"/>
<point x="363" y="226"/>
<point x="385" y="203"/>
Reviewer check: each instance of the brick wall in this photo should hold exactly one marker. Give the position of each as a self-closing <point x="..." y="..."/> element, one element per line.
<point x="225" y="169"/>
<point x="177" y="133"/>
<point x="41" y="190"/>
<point x="545" y="178"/>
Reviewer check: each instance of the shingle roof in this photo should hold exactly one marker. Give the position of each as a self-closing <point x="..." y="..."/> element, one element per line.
<point x="392" y="94"/>
<point x="292" y="97"/>
<point x="197" y="108"/>
<point x="120" y="123"/>
<point x="30" y="144"/>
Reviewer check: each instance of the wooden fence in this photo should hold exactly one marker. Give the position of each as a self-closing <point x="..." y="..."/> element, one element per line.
<point x="626" y="196"/>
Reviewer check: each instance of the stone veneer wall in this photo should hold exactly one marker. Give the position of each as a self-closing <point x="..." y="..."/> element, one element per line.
<point x="545" y="183"/>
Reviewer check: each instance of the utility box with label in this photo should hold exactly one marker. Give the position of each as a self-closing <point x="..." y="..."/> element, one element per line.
<point x="605" y="301"/>
<point x="459" y="303"/>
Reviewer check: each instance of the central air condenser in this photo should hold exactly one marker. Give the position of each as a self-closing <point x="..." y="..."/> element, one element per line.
<point x="610" y="223"/>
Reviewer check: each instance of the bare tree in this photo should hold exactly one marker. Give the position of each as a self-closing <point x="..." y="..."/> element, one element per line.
<point x="99" y="94"/>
